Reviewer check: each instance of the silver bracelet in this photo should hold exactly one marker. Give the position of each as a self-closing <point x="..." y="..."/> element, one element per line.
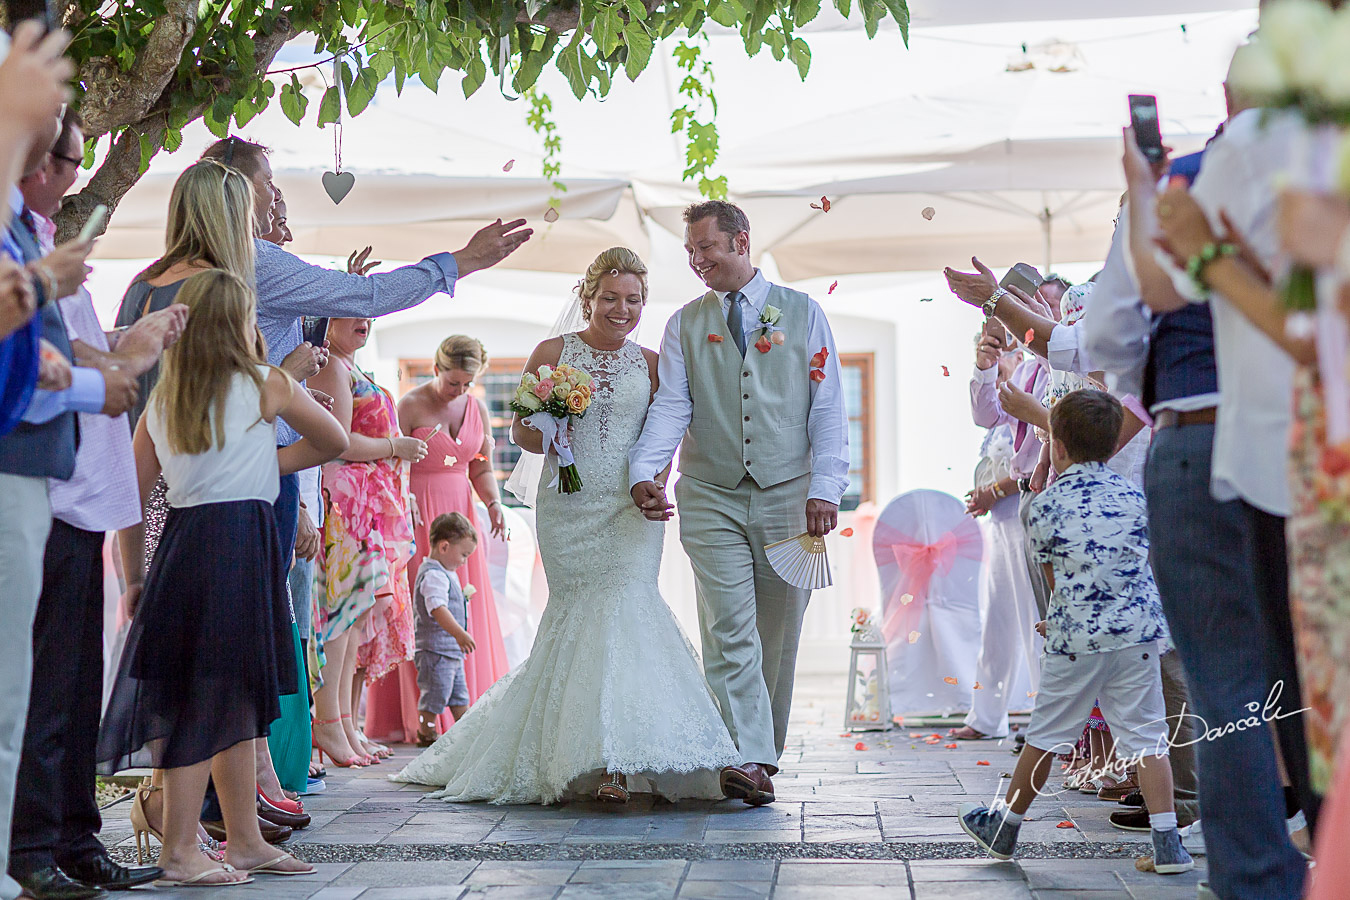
<point x="392" y="451"/>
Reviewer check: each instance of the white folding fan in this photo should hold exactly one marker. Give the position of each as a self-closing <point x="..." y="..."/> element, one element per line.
<point x="801" y="561"/>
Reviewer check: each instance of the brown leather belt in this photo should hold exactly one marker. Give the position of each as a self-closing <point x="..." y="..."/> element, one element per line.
<point x="1170" y="418"/>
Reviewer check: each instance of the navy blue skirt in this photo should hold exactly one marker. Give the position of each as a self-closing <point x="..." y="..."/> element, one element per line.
<point x="209" y="649"/>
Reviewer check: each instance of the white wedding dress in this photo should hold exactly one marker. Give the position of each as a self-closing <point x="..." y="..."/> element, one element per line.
<point x="612" y="683"/>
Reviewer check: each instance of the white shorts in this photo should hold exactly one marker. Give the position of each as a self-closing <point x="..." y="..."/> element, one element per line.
<point x="1126" y="684"/>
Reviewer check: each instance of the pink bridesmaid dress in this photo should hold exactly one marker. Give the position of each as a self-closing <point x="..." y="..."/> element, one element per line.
<point x="440" y="483"/>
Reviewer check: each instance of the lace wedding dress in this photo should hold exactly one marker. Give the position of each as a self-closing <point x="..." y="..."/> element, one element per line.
<point x="612" y="683"/>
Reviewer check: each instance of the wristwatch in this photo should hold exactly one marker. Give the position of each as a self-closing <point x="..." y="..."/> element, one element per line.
<point x="991" y="304"/>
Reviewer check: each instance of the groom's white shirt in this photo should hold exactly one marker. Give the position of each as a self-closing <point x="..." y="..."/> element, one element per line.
<point x="673" y="407"/>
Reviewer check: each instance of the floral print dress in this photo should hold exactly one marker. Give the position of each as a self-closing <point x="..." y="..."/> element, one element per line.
<point x="1319" y="574"/>
<point x="367" y="542"/>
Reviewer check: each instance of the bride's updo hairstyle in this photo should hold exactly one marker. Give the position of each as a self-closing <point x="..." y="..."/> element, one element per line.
<point x="614" y="261"/>
<point x="461" y="353"/>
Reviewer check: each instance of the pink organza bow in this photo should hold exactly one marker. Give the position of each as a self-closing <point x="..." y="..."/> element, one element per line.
<point x="918" y="563"/>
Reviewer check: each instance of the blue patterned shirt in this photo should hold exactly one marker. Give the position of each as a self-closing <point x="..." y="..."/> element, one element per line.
<point x="1091" y="526"/>
<point x="289" y="288"/>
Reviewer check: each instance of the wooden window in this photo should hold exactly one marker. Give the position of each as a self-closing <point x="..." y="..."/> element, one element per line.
<point x="494" y="387"/>
<point x="858" y="393"/>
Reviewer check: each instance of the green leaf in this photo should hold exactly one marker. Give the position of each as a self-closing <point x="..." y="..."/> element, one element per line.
<point x="147" y="152"/>
<point x="293" y="100"/>
<point x="804" y="11"/>
<point x="474" y="74"/>
<point x="570" y="62"/>
<point x="362" y="91"/>
<point x="245" y="110"/>
<point x="801" y="55"/>
<point x="640" y="45"/>
<point x="329" y="108"/>
<point x="900" y="12"/>
<point x="843" y="6"/>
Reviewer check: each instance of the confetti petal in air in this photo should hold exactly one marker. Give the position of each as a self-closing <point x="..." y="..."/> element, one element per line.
<point x="552" y="214"/>
<point x="913" y="637"/>
<point x="978" y="686"/>
<point x="478" y="457"/>
<point x="848" y="532"/>
<point x="778" y="338"/>
<point x="1029" y="336"/>
<point x="928" y="213"/>
<point x="817" y="375"/>
<point x="715" y="339"/>
<point x="946" y="373"/>
<point x="950" y="680"/>
<point x="509" y="164"/>
<point x="906" y="600"/>
<point x="833" y="285"/>
<point x="450" y="461"/>
<point x="823" y="205"/>
<point x="1032" y="693"/>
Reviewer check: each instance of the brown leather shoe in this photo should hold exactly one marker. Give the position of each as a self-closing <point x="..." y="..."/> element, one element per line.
<point x="273" y="834"/>
<point x="748" y="782"/>
<point x="277" y="816"/>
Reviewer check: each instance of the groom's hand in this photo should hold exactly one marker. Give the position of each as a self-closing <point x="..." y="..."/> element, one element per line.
<point x="650" y="498"/>
<point x="821" y="517"/>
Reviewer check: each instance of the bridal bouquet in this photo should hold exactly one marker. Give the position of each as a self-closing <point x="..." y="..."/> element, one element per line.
<point x="547" y="401"/>
<point x="1299" y="61"/>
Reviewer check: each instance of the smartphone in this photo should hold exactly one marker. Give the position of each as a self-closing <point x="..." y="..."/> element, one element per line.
<point x="21" y="10"/>
<point x="1024" y="277"/>
<point x="995" y="329"/>
<point x="1144" y="121"/>
<point x="315" y="329"/>
<point x="93" y="227"/>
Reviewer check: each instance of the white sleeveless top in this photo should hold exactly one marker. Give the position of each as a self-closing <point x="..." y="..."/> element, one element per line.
<point x="245" y="468"/>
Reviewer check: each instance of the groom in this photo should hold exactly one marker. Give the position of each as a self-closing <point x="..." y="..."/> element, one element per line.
<point x="750" y="391"/>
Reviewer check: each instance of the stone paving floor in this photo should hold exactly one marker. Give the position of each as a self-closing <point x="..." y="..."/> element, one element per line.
<point x="873" y="823"/>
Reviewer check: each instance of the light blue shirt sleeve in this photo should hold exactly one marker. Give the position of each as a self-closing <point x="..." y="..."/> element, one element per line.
<point x="86" y="394"/>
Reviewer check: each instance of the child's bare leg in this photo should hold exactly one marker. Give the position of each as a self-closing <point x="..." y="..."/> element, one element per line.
<point x="1033" y="768"/>
<point x="1155" y="781"/>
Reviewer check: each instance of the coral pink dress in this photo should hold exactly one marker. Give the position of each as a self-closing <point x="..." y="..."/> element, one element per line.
<point x="440" y="483"/>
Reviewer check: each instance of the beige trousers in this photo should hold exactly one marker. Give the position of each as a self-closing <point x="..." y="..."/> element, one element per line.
<point x="25" y="520"/>
<point x="750" y="620"/>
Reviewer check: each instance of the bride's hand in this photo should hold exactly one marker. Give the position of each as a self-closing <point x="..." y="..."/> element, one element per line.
<point x="650" y="498"/>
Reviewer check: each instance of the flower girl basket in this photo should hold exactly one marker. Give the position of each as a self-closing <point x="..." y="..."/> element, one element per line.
<point x="928" y="553"/>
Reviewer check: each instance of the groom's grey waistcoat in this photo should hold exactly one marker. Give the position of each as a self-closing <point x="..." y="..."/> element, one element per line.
<point x="749" y="414"/>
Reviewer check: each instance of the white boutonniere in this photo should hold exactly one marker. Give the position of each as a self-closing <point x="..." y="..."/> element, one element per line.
<point x="771" y="336"/>
<point x="469" y="591"/>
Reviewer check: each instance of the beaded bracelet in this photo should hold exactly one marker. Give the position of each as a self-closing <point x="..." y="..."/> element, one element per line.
<point x="1197" y="264"/>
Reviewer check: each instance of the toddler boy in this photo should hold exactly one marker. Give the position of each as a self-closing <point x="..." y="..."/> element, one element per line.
<point x="442" y="615"/>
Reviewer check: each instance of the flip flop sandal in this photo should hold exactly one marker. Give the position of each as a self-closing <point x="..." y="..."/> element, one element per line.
<point x="269" y="867"/>
<point x="199" y="880"/>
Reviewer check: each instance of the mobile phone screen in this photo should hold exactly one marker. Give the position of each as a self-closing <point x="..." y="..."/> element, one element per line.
<point x="315" y="329"/>
<point x="1144" y="120"/>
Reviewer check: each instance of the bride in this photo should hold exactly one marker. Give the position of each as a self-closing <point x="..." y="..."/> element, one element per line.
<point x="612" y="698"/>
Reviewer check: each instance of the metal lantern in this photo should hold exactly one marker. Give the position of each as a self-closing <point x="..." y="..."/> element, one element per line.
<point x="868" y="707"/>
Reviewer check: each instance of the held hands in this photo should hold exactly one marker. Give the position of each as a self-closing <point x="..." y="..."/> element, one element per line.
<point x="821" y="517"/>
<point x="410" y="448"/>
<point x="972" y="287"/>
<point x="490" y="245"/>
<point x="305" y="361"/>
<point x="980" y="500"/>
<point x="650" y="498"/>
<point x="357" y="265"/>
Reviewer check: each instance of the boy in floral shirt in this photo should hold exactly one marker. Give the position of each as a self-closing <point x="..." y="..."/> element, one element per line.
<point x="1104" y="630"/>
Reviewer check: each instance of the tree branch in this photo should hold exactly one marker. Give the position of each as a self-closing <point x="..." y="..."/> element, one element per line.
<point x="113" y="97"/>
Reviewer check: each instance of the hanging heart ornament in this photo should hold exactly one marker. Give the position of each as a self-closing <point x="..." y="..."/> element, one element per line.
<point x="338" y="184"/>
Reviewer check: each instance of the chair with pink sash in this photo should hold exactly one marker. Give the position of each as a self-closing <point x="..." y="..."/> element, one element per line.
<point x="928" y="553"/>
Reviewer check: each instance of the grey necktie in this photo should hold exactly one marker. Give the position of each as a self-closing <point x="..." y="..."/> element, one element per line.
<point x="735" y="322"/>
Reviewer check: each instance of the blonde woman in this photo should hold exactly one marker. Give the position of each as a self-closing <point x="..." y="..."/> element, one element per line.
<point x="210" y="646"/>
<point x="579" y="717"/>
<point x="458" y="430"/>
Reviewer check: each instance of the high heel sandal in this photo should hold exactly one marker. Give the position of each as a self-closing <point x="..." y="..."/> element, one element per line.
<point x="366" y="758"/>
<point x="348" y="763"/>
<point x="294" y="807"/>
<point x="140" y="824"/>
<point x="614" y="789"/>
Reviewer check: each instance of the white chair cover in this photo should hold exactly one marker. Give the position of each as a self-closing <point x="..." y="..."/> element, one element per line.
<point x="928" y="553"/>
